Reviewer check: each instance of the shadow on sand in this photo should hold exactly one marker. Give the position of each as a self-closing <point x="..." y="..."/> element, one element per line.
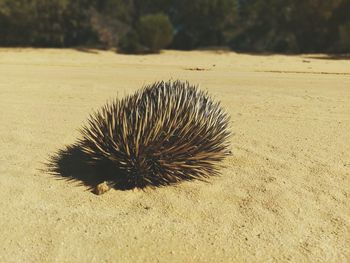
<point x="332" y="57"/>
<point x="88" y="50"/>
<point x="72" y="164"/>
<point x="325" y="56"/>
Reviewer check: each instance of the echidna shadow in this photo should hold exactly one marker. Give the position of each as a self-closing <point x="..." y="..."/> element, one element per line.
<point x="165" y="133"/>
<point x="73" y="164"/>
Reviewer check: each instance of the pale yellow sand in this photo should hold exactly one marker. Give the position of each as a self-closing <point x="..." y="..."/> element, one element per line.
<point x="284" y="195"/>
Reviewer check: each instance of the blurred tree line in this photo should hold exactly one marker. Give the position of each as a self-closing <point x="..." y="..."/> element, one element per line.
<point x="137" y="26"/>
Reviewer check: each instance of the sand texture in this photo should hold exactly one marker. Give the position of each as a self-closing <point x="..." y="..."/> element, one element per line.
<point x="283" y="196"/>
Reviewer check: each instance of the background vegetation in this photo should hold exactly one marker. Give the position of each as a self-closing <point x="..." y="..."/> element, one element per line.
<point x="136" y="26"/>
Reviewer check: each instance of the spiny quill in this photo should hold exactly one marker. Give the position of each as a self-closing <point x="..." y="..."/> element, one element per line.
<point x="164" y="133"/>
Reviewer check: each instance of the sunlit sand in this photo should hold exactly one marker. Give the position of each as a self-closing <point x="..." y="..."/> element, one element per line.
<point x="282" y="196"/>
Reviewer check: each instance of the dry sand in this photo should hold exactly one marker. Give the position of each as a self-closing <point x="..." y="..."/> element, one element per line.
<point x="284" y="195"/>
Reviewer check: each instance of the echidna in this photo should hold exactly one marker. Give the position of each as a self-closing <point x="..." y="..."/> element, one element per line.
<point x="164" y="133"/>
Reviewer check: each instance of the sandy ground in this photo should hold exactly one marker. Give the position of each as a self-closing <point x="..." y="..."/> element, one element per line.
<point x="283" y="196"/>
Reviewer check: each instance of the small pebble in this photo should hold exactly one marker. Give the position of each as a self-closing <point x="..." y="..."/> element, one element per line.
<point x="102" y="188"/>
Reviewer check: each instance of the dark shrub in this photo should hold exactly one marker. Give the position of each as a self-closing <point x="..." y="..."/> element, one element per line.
<point x="155" y="31"/>
<point x="130" y="44"/>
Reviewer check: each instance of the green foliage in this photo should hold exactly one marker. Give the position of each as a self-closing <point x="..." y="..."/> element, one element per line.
<point x="203" y="22"/>
<point x="148" y="25"/>
<point x="289" y="26"/>
<point x="155" y="31"/>
<point x="123" y="10"/>
<point x="130" y="44"/>
<point x="44" y="23"/>
<point x="341" y="24"/>
<point x="77" y="23"/>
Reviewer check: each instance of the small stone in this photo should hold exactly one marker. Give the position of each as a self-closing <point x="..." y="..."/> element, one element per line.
<point x="102" y="188"/>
